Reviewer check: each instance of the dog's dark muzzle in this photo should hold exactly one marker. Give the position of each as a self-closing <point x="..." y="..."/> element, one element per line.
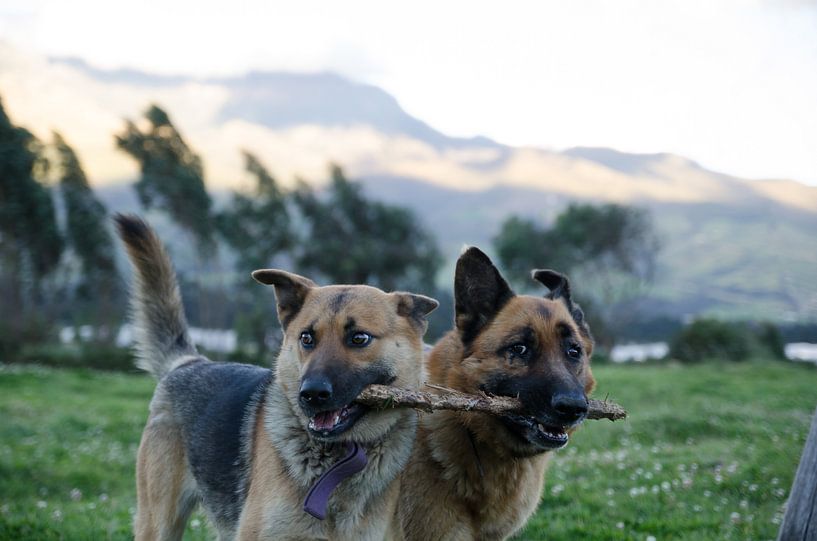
<point x="548" y="429"/>
<point x="316" y="392"/>
<point x="326" y="396"/>
<point x="569" y="407"/>
<point x="329" y="405"/>
<point x="550" y="412"/>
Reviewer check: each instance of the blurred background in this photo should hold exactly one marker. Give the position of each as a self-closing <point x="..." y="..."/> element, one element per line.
<point x="662" y="154"/>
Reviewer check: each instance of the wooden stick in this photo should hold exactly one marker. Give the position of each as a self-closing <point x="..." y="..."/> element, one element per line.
<point x="383" y="396"/>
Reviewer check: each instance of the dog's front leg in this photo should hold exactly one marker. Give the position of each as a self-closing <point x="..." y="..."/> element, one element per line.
<point x="164" y="485"/>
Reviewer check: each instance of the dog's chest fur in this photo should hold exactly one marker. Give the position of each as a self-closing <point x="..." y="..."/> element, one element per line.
<point x="285" y="457"/>
<point x="487" y="495"/>
<point x="253" y="462"/>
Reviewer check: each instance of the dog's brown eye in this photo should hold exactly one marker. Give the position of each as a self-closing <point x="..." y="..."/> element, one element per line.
<point x="574" y="352"/>
<point x="307" y="340"/>
<point x="360" y="339"/>
<point x="518" y="350"/>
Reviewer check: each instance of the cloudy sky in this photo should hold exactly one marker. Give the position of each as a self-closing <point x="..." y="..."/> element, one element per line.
<point x="731" y="84"/>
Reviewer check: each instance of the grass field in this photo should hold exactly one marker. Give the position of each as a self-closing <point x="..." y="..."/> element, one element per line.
<point x="708" y="453"/>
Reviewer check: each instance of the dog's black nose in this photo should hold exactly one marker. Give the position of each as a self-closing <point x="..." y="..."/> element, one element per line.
<point x="571" y="406"/>
<point x="315" y="391"/>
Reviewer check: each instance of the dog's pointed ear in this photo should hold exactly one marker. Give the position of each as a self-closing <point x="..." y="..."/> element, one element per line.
<point x="290" y="291"/>
<point x="479" y="292"/>
<point x="559" y="287"/>
<point x="556" y="282"/>
<point x="415" y="307"/>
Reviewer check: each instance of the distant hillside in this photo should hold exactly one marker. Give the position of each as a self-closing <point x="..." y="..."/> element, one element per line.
<point x="732" y="246"/>
<point x="282" y="99"/>
<point x="747" y="261"/>
<point x="739" y="262"/>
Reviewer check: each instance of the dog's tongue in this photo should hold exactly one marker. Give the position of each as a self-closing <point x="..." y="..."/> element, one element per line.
<point x="325" y="420"/>
<point x="318" y="497"/>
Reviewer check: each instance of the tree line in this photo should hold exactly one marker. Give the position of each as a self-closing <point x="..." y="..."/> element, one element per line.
<point x="59" y="265"/>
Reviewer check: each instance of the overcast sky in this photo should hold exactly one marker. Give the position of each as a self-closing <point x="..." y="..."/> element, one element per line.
<point x="730" y="84"/>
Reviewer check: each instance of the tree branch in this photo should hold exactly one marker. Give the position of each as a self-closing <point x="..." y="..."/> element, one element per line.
<point x="383" y="396"/>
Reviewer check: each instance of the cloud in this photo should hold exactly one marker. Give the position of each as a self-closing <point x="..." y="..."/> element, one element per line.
<point x="728" y="83"/>
<point x="45" y="96"/>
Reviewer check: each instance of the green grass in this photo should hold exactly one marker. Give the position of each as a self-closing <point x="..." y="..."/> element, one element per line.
<point x="708" y="453"/>
<point x="68" y="441"/>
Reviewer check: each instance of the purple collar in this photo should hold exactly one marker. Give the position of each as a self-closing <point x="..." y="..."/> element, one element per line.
<point x="318" y="497"/>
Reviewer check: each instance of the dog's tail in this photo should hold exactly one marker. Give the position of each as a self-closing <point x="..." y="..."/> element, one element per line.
<point x="160" y="328"/>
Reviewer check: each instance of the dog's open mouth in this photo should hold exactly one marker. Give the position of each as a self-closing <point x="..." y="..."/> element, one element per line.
<point x="537" y="432"/>
<point x="334" y="422"/>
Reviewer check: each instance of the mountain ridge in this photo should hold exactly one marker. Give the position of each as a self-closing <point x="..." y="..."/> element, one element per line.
<point x="734" y="246"/>
<point x="298" y="122"/>
<point x="362" y="103"/>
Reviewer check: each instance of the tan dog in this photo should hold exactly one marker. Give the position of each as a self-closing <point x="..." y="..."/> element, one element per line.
<point x="247" y="443"/>
<point x="475" y="476"/>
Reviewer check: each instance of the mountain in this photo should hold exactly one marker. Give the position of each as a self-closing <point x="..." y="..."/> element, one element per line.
<point x="266" y="98"/>
<point x="755" y="260"/>
<point x="732" y="246"/>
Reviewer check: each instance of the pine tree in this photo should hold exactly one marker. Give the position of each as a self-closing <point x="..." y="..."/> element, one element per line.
<point x="609" y="249"/>
<point x="355" y="240"/>
<point x="89" y="238"/>
<point x="30" y="241"/>
<point x="172" y="176"/>
<point x="257" y="227"/>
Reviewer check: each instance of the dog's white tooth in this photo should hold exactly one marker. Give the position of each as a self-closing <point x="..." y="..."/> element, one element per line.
<point x="336" y="419"/>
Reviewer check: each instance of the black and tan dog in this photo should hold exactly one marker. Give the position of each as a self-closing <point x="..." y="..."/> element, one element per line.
<point x="248" y="443"/>
<point x="474" y="476"/>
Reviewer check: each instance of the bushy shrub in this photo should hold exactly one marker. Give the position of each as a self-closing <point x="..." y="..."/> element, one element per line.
<point x="246" y="357"/>
<point x="706" y="339"/>
<point x="600" y="356"/>
<point x="769" y="338"/>
<point x="33" y="329"/>
<point x="95" y="356"/>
